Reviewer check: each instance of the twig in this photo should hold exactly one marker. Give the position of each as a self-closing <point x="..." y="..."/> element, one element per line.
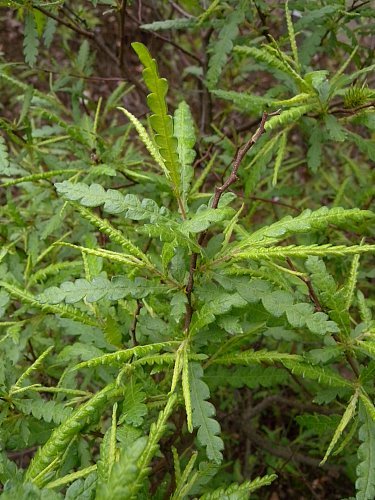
<point x="218" y="193"/>
<point x="307" y="281"/>
<point x="285" y="452"/>
<point x="88" y="34"/>
<point x="314" y="298"/>
<point x="271" y="400"/>
<point x="353" y="110"/>
<point x="93" y="78"/>
<point x="180" y="9"/>
<point x="239" y="157"/>
<point x="165" y="39"/>
<point x="133" y="326"/>
<point x="206" y="101"/>
<point x="122" y="16"/>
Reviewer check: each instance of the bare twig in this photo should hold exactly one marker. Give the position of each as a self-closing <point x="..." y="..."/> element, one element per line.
<point x="121" y="29"/>
<point x="285" y="452"/>
<point x="352" y="111"/>
<point x="239" y="157"/>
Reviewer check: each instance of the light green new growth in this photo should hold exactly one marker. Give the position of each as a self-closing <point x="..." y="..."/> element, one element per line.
<point x="365" y="483"/>
<point x="347" y="416"/>
<point x="185" y="135"/>
<point x="49" y="456"/>
<point x="15" y="387"/>
<point x="120" y="357"/>
<point x="161" y="122"/>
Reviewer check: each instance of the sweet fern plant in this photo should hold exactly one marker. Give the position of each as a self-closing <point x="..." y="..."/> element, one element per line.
<point x="149" y="315"/>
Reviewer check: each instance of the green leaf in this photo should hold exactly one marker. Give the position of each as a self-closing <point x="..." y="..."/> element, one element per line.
<point x="48" y="457"/>
<point x="221" y="47"/>
<point x="335" y="131"/>
<point x="120" y="357"/>
<point x="185" y="134"/>
<point x="250" y="356"/>
<point x="204" y="218"/>
<point x="273" y="62"/>
<point x="161" y="122"/>
<point x="100" y="287"/>
<point x="365" y="483"/>
<point x="245" y="102"/>
<point x="31" y="40"/>
<point x="4" y="157"/>
<point x="124" y="472"/>
<point x="239" y="491"/>
<point x="315" y="151"/>
<point x="322" y="375"/>
<point x="306" y="222"/>
<point x="114" y="202"/>
<point x="297" y="314"/>
<point x="203" y="411"/>
<point x="277" y="302"/>
<point x="347" y="416"/>
<point x="168" y="24"/>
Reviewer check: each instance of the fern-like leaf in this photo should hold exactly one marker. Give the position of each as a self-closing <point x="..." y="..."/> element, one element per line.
<point x="306" y="222"/>
<point x="114" y="202"/>
<point x="203" y="412"/>
<point x="161" y="122"/>
<point x="322" y="375"/>
<point x="61" y="310"/>
<point x="157" y="430"/>
<point x="124" y="473"/>
<point x="239" y="491"/>
<point x="49" y="456"/>
<point x="4" y="157"/>
<point x="31" y="40"/>
<point x="347" y="416"/>
<point x="185" y="134"/>
<point x="120" y="357"/>
<point x="224" y="44"/>
<point x="274" y="62"/>
<point x="365" y="483"/>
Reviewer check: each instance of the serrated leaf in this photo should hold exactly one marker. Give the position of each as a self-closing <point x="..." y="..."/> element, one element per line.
<point x="185" y="134"/>
<point x="160" y="121"/>
<point x="307" y="221"/>
<point x="31" y="40"/>
<point x="4" y="157"/>
<point x="277" y="302"/>
<point x="203" y="413"/>
<point x="365" y="483"/>
<point x="347" y="416"/>
<point x="322" y="375"/>
<point x="221" y="47"/>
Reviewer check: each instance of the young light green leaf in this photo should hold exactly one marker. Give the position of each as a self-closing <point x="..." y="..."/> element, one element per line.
<point x="161" y="122"/>
<point x="365" y="483"/>
<point x="185" y="134"/>
<point x="347" y="416"/>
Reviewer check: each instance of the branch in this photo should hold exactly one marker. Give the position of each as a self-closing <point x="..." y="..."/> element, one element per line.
<point x="314" y="298"/>
<point x="219" y="191"/>
<point x="284" y="452"/>
<point x="122" y="18"/>
<point x="239" y="157"/>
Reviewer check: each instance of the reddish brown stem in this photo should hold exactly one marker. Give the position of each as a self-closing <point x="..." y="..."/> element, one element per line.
<point x="219" y="191"/>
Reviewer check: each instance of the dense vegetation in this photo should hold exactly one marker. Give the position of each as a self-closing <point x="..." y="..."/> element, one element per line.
<point x="187" y="249"/>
